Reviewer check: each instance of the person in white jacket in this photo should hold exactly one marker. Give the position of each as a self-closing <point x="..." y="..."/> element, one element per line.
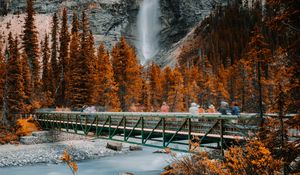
<point x="194" y="109"/>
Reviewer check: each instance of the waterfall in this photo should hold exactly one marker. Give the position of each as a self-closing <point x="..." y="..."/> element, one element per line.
<point x="149" y="28"/>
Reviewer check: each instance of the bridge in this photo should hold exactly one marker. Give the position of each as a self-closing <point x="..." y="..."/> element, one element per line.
<point x="174" y="130"/>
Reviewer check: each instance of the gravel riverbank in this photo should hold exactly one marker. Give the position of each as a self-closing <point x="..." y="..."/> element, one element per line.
<point x="81" y="148"/>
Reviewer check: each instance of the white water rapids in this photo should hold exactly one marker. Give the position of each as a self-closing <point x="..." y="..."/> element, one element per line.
<point x="149" y="28"/>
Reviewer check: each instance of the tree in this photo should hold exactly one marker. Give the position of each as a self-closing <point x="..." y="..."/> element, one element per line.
<point x="26" y="74"/>
<point x="54" y="71"/>
<point x="127" y="74"/>
<point x="2" y="75"/>
<point x="106" y="87"/>
<point x="155" y="83"/>
<point x="31" y="44"/>
<point x="83" y="80"/>
<point x="46" y="79"/>
<point x="64" y="39"/>
<point x="173" y="89"/>
<point x="259" y="54"/>
<point x="74" y="56"/>
<point x="15" y="83"/>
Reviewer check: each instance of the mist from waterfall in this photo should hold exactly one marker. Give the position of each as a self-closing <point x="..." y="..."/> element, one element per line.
<point x="149" y="28"/>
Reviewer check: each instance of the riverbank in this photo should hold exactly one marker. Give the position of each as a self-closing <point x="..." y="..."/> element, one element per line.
<point x="80" y="148"/>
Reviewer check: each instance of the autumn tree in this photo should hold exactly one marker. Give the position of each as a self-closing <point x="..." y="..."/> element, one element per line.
<point x="54" y="70"/>
<point x="46" y="78"/>
<point x="2" y="75"/>
<point x="191" y="89"/>
<point x="155" y="83"/>
<point x="26" y="74"/>
<point x="127" y="73"/>
<point x="173" y="89"/>
<point x="259" y="54"/>
<point x="83" y="77"/>
<point x="31" y="44"/>
<point x="106" y="87"/>
<point x="15" y="83"/>
<point x="64" y="39"/>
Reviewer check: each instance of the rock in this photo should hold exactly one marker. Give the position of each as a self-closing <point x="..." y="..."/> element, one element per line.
<point x="114" y="146"/>
<point x="29" y="140"/>
<point x="126" y="173"/>
<point x="135" y="148"/>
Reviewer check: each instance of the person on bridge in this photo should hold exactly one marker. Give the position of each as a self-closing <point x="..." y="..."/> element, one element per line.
<point x="194" y="109"/>
<point x="211" y="109"/>
<point x="235" y="109"/>
<point x="132" y="108"/>
<point x="201" y="110"/>
<point x="164" y="108"/>
<point x="223" y="108"/>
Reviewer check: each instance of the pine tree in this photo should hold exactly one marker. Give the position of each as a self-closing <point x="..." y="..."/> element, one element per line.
<point x="106" y="87"/>
<point x="191" y="88"/>
<point x="127" y="74"/>
<point x="260" y="55"/>
<point x="64" y="39"/>
<point x="27" y="82"/>
<point x="54" y="70"/>
<point x="155" y="81"/>
<point x="14" y="80"/>
<point x="91" y="63"/>
<point x="175" y="94"/>
<point x="74" y="56"/>
<point x="146" y="93"/>
<point x="46" y="78"/>
<point x="31" y="45"/>
<point x="82" y="86"/>
<point x="2" y="75"/>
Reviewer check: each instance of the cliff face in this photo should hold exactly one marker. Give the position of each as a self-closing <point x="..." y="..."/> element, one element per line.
<point x="110" y="19"/>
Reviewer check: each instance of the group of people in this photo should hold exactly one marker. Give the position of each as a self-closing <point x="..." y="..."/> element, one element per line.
<point x="194" y="109"/>
<point x="224" y="109"/>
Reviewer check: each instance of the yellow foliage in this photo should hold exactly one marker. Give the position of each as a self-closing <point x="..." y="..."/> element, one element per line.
<point x="67" y="158"/>
<point x="26" y="126"/>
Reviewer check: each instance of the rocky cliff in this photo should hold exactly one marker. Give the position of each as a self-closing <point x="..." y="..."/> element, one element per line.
<point x="110" y="19"/>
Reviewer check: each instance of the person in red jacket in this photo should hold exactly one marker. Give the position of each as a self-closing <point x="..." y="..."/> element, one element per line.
<point x="164" y="107"/>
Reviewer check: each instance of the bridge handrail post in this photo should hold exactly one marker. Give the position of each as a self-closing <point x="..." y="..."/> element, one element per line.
<point x="222" y="136"/>
<point x="124" y="127"/>
<point x="109" y="128"/>
<point x="142" y="131"/>
<point x="164" y="129"/>
<point x="189" y="133"/>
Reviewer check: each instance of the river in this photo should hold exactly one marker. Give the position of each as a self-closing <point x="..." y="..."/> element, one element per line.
<point x="139" y="163"/>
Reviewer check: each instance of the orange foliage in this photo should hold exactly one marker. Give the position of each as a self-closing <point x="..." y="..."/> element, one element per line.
<point x="67" y="158"/>
<point x="26" y="126"/>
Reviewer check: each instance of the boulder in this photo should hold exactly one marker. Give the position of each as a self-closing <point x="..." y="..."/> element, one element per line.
<point x="114" y="146"/>
<point x="126" y="173"/>
<point x="29" y="140"/>
<point x="135" y="148"/>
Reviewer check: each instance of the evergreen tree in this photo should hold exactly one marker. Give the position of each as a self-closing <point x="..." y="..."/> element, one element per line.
<point x="74" y="56"/>
<point x="14" y="80"/>
<point x="2" y="75"/>
<point x="146" y="93"/>
<point x="64" y="39"/>
<point x="127" y="74"/>
<point x="31" y="45"/>
<point x="106" y="86"/>
<point x="46" y="79"/>
<point x="155" y="86"/>
<point x="175" y="94"/>
<point x="27" y="82"/>
<point x="54" y="70"/>
<point x="82" y="86"/>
